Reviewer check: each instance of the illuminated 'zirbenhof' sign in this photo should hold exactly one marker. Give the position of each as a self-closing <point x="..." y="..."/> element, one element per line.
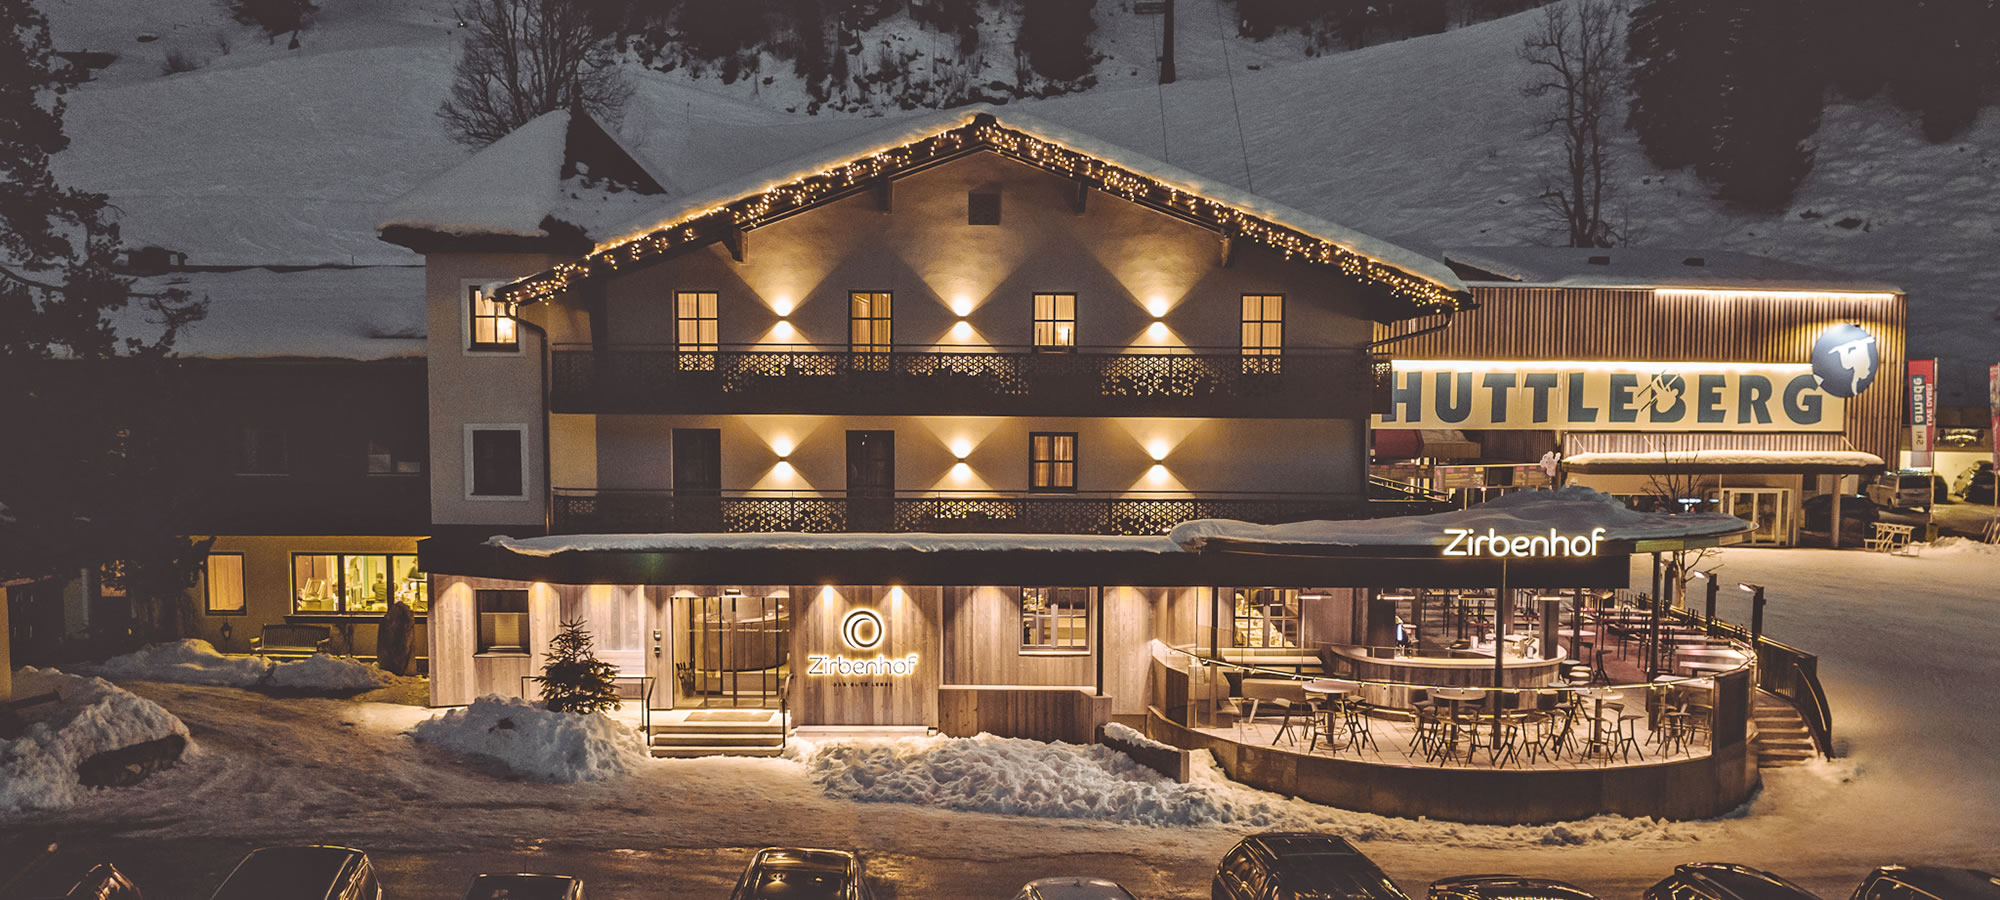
<point x="1465" y="542"/>
<point x="861" y="629"/>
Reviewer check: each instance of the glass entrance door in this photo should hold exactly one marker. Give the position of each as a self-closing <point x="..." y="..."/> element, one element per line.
<point x="1765" y="508"/>
<point x="734" y="651"/>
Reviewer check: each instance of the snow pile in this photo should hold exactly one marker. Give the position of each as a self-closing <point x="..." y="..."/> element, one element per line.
<point x="1130" y="735"/>
<point x="38" y="770"/>
<point x="189" y="661"/>
<point x="1957" y="546"/>
<point x="325" y="672"/>
<point x="1065" y="781"/>
<point x="195" y="661"/>
<point x="536" y="743"/>
<point x="1571" y="510"/>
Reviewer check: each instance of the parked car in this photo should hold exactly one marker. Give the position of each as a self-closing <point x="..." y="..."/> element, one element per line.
<point x="525" y="887"/>
<point x="1724" y="881"/>
<point x="1975" y="484"/>
<point x="1857" y="513"/>
<point x="1908" y="489"/>
<point x="1505" y="887"/>
<point x="102" y="882"/>
<point x="1283" y="865"/>
<point x="302" y="873"/>
<point x="790" y="873"/>
<point x="1070" y="888"/>
<point x="1928" y="883"/>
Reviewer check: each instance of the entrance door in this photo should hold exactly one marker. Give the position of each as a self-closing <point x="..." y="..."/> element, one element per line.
<point x="1764" y="508"/>
<point x="737" y="651"/>
<point x="871" y="480"/>
<point x="697" y="479"/>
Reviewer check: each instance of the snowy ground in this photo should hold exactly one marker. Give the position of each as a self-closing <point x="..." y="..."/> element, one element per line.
<point x="1905" y="646"/>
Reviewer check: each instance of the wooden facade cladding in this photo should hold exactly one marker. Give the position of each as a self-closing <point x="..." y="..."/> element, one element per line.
<point x="1566" y="324"/>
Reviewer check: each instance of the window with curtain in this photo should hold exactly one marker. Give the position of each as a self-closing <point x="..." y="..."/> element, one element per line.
<point x="1263" y="332"/>
<point x="492" y="328"/>
<point x="1055" y="322"/>
<point x="357" y="583"/>
<point x="1052" y="461"/>
<point x="695" y="330"/>
<point x="222" y="584"/>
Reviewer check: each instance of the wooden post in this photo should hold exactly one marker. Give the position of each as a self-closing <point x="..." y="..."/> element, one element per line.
<point x="1097" y="623"/>
<point x="1167" y="46"/>
<point x="1653" y="627"/>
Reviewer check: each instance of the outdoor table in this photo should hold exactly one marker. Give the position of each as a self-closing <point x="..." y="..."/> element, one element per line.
<point x="1457" y="696"/>
<point x="1597" y="696"/>
<point x="1334" y="689"/>
<point x="1699" y="667"/>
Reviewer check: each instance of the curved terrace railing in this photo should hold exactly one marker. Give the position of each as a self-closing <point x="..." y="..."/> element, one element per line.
<point x="970" y="512"/>
<point x="1782" y="670"/>
<point x="780" y="378"/>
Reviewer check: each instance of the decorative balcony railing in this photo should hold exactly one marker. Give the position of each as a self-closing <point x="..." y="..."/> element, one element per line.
<point x="1003" y="381"/>
<point x="642" y="512"/>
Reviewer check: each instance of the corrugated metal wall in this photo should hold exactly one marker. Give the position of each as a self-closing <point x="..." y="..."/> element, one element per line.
<point x="1639" y="325"/>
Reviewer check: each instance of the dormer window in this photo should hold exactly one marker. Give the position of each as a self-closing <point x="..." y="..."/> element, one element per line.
<point x="492" y="328"/>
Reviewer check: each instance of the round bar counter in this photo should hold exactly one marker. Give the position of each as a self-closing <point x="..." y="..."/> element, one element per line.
<point x="1468" y="671"/>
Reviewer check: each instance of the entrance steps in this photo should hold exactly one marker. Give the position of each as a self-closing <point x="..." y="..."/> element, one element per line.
<point x="686" y="734"/>
<point x="1781" y="735"/>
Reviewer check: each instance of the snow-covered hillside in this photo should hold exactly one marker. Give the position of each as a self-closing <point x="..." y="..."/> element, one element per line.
<point x="273" y="157"/>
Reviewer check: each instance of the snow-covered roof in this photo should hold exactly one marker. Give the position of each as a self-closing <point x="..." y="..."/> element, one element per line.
<point x="914" y="542"/>
<point x="514" y="186"/>
<point x="1571" y="510"/>
<point x="1729" y="459"/>
<point x="369" y="313"/>
<point x="1627" y="267"/>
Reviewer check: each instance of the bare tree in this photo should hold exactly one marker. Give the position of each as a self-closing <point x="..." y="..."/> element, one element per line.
<point x="524" y="58"/>
<point x="1577" y="59"/>
<point x="1669" y="489"/>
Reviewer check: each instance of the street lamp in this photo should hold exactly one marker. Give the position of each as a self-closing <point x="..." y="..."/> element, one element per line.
<point x="1756" y="592"/>
<point x="1714" y="584"/>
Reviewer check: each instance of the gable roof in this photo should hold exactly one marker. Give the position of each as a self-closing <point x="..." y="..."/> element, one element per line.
<point x="1651" y="268"/>
<point x="1419" y="284"/>
<point x="556" y="181"/>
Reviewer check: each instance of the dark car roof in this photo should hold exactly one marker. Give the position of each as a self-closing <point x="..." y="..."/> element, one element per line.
<point x="1946" y="883"/>
<point x="522" y="886"/>
<point x="790" y="873"/>
<point x="1513" y="887"/>
<point x="1743" y="882"/>
<point x="1324" y="865"/>
<point x="287" y="872"/>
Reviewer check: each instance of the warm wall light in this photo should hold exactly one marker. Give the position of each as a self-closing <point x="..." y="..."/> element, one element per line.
<point x="961" y="307"/>
<point x="1158" y="450"/>
<point x="1157" y="331"/>
<point x="961" y="330"/>
<point x="782" y="446"/>
<point x="1157" y="474"/>
<point x="960" y="449"/>
<point x="783" y="306"/>
<point x="783" y="329"/>
<point x="1157" y="306"/>
<point x="783" y="471"/>
<point x="961" y="472"/>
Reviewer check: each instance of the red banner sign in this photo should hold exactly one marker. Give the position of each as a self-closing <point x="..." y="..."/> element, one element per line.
<point x="1923" y="412"/>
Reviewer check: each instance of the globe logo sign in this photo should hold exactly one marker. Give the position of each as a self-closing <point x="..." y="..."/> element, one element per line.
<point x="1844" y="359"/>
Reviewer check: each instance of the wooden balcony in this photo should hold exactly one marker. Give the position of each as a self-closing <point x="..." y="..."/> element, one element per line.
<point x="647" y="512"/>
<point x="1206" y="382"/>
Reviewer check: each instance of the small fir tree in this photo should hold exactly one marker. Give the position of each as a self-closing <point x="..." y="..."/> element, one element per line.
<point x="1767" y="106"/>
<point x="1671" y="48"/>
<point x="575" y="680"/>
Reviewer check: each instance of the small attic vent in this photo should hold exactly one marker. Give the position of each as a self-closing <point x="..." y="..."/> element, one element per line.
<point x="1694" y="261"/>
<point x="1599" y="260"/>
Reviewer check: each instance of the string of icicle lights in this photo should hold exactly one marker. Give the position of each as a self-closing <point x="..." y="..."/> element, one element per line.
<point x="749" y="212"/>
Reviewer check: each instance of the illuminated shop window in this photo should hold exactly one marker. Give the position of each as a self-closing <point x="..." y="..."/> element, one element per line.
<point x="1266" y="617"/>
<point x="222" y="584"/>
<point x="492" y="327"/>
<point x="356" y="583"/>
<point x="1055" y="322"/>
<point x="1055" y="619"/>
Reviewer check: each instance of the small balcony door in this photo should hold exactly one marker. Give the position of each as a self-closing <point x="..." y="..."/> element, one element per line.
<point x="871" y="480"/>
<point x="697" y="479"/>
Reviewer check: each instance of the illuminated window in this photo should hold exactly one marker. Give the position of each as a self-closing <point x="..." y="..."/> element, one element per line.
<point x="503" y="621"/>
<point x="695" y="330"/>
<point x="357" y="583"/>
<point x="1263" y="331"/>
<point x="1055" y="322"/>
<point x="868" y="321"/>
<point x="1266" y="617"/>
<point x="1052" y="461"/>
<point x="492" y="327"/>
<point x="222" y="584"/>
<point x="1055" y="619"/>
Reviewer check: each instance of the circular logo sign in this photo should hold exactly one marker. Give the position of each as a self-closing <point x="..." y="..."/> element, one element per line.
<point x="1844" y="359"/>
<point x="862" y="629"/>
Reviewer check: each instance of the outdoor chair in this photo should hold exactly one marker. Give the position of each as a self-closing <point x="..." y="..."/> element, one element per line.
<point x="1354" y="717"/>
<point x="1302" y="712"/>
<point x="1626" y="736"/>
<point x="1429" y="734"/>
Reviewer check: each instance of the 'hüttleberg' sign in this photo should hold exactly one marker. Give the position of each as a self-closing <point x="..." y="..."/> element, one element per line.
<point x="1638" y="396"/>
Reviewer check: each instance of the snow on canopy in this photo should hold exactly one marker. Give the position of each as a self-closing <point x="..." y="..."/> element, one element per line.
<point x="1571" y="510"/>
<point x="1628" y="267"/>
<point x="913" y="542"/>
<point x="916" y="128"/>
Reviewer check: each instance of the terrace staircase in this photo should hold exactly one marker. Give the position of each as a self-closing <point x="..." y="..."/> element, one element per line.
<point x="718" y="732"/>
<point x="1781" y="735"/>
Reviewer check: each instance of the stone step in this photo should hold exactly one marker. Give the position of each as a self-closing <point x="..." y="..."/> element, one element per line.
<point x="718" y="739"/>
<point x="768" y="727"/>
<point x="697" y="752"/>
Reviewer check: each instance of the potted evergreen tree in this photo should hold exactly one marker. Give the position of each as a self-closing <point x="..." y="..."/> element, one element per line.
<point x="574" y="679"/>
